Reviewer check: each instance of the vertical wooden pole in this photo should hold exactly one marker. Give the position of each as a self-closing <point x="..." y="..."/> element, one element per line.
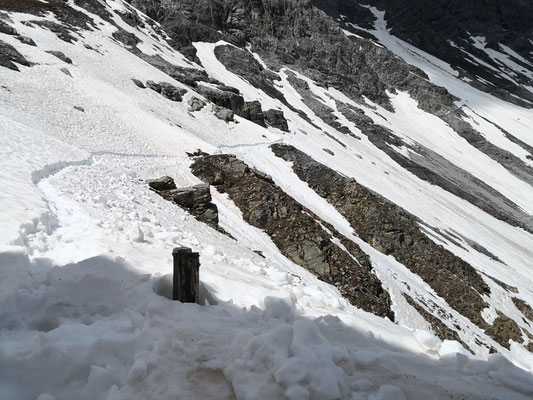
<point x="186" y="282"/>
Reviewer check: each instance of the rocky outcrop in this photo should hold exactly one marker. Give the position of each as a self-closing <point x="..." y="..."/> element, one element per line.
<point x="167" y="90"/>
<point x="444" y="28"/>
<point x="299" y="234"/>
<point x="391" y="230"/>
<point x="195" y="199"/>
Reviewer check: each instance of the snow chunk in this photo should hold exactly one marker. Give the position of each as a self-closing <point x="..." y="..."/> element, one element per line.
<point x="136" y="234"/>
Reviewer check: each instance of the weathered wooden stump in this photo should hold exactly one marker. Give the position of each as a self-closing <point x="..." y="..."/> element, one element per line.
<point x="186" y="282"/>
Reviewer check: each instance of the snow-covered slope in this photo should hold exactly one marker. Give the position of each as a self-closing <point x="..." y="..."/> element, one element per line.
<point x="85" y="249"/>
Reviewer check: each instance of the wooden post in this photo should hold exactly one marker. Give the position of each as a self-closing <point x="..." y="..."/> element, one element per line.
<point x="186" y="282"/>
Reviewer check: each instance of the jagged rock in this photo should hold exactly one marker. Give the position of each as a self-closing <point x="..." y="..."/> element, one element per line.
<point x="167" y="90"/>
<point x="10" y="57"/>
<point x="299" y="234"/>
<point x="60" y="55"/>
<point x="195" y="104"/>
<point x="276" y="119"/>
<point x="163" y="183"/>
<point x="138" y="83"/>
<point x="223" y="113"/>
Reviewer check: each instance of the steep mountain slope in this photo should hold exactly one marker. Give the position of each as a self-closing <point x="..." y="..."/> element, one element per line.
<point x="374" y="235"/>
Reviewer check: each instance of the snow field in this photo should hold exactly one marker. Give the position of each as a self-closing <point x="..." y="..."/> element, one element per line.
<point x="85" y="256"/>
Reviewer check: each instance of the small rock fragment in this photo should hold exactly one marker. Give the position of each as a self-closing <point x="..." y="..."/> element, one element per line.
<point x="138" y="83"/>
<point x="60" y="55"/>
<point x="195" y="104"/>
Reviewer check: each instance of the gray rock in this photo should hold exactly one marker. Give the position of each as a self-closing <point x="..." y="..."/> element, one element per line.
<point x="223" y="97"/>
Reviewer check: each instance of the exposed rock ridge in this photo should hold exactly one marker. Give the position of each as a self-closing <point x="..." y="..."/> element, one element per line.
<point x="391" y="230"/>
<point x="299" y="234"/>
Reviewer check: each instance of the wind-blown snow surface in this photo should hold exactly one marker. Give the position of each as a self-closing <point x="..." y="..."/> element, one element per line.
<point x="85" y="248"/>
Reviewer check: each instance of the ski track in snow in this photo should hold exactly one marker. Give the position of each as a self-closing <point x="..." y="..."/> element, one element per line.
<point x="83" y="312"/>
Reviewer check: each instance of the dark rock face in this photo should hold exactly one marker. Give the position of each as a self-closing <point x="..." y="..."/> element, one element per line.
<point x="187" y="76"/>
<point x="392" y="230"/>
<point x="60" y="55"/>
<point x="252" y="111"/>
<point x="297" y="232"/>
<point x="195" y="199"/>
<point x="10" y="57"/>
<point x="431" y="25"/>
<point x="276" y="119"/>
<point x="167" y="90"/>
